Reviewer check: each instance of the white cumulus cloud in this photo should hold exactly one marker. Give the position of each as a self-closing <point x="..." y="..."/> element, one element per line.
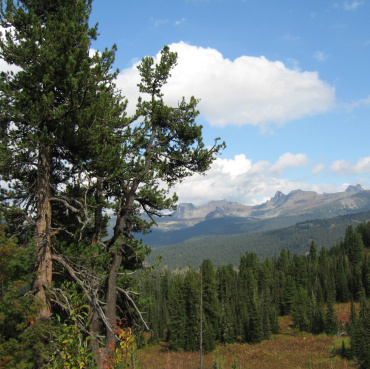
<point x="289" y="160"/>
<point x="239" y="179"/>
<point x="248" y="90"/>
<point x="345" y="167"/>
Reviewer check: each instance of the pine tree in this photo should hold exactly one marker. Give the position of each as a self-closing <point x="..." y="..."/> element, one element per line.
<point x="299" y="271"/>
<point x="229" y="325"/>
<point x="254" y="330"/>
<point x="301" y="310"/>
<point x="70" y="155"/>
<point x="192" y="302"/>
<point x="331" y="319"/>
<point x="342" y="289"/>
<point x="313" y="252"/>
<point x="177" y="313"/>
<point x="317" y="316"/>
<point x="210" y="305"/>
<point x="364" y="230"/>
<point x="366" y="275"/>
<point x="360" y="334"/>
<point x="18" y="334"/>
<point x="289" y="292"/>
<point x="354" y="246"/>
<point x="266" y="315"/>
<point x="49" y="42"/>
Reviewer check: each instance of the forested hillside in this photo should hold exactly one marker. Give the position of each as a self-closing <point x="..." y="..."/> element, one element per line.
<point x="222" y="250"/>
<point x="241" y="304"/>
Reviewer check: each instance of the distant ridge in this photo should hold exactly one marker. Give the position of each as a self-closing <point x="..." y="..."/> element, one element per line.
<point x="225" y="218"/>
<point x="226" y="249"/>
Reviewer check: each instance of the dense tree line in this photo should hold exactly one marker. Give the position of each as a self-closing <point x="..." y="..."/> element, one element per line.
<point x="242" y="304"/>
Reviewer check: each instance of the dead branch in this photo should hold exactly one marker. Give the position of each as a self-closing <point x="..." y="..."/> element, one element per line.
<point x="132" y="302"/>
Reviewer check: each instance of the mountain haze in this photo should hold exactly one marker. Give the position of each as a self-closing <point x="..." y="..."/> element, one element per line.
<point x="227" y="249"/>
<point x="225" y="218"/>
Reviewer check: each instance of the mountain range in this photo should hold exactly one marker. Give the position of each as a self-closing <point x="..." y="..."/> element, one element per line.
<point x="227" y="218"/>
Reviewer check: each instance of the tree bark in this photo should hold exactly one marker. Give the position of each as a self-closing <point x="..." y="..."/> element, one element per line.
<point x="44" y="265"/>
<point x="98" y="211"/>
<point x="112" y="295"/>
<point x="95" y="346"/>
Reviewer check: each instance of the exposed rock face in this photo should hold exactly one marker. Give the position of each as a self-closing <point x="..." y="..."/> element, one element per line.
<point x="184" y="211"/>
<point x="354" y="198"/>
<point x="354" y="189"/>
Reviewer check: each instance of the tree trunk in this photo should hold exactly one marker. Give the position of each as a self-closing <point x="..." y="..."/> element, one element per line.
<point x="98" y="211"/>
<point x="43" y="277"/>
<point x="98" y="352"/>
<point x="95" y="346"/>
<point x="110" y="309"/>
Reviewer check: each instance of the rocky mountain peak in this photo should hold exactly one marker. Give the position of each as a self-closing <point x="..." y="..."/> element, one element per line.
<point x="354" y="189"/>
<point x="278" y="195"/>
<point x="184" y="210"/>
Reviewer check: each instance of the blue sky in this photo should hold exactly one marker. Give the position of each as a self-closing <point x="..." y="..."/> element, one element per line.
<point x="285" y="83"/>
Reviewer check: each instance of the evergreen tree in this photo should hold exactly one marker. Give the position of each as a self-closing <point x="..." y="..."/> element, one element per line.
<point x="364" y="230"/>
<point x="313" y="252"/>
<point x="177" y="313"/>
<point x="69" y="155"/>
<point x="342" y="289"/>
<point x="301" y="310"/>
<point x="283" y="261"/>
<point x="22" y="342"/>
<point x="360" y="335"/>
<point x="192" y="304"/>
<point x="317" y="316"/>
<point x="266" y="309"/>
<point x="366" y="275"/>
<point x="289" y="292"/>
<point x="229" y="326"/>
<point x="49" y="42"/>
<point x="163" y="303"/>
<point x="299" y="271"/>
<point x="331" y="319"/>
<point x="254" y="329"/>
<point x="210" y="305"/>
<point x="354" y="246"/>
<point x="274" y="321"/>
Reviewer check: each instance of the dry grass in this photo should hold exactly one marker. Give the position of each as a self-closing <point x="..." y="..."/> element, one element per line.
<point x="288" y="350"/>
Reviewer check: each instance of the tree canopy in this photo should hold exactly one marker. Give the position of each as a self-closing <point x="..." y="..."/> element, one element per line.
<point x="72" y="160"/>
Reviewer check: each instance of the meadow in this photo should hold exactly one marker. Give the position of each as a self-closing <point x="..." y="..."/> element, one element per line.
<point x="288" y="350"/>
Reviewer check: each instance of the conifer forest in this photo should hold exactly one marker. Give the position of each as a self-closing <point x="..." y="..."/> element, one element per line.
<point x="72" y="160"/>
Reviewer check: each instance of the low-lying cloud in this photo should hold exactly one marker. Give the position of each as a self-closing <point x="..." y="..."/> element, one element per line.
<point x="242" y="180"/>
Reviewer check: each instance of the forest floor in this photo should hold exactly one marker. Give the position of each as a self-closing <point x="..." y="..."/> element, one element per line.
<point x="288" y="350"/>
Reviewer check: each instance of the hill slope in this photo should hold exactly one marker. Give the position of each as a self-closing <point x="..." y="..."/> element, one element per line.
<point x="225" y="249"/>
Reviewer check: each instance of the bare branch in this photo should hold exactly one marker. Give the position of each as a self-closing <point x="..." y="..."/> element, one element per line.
<point x="65" y="203"/>
<point x="132" y="302"/>
<point x="89" y="292"/>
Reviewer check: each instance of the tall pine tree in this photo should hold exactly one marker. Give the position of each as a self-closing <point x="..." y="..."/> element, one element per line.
<point x="69" y="155"/>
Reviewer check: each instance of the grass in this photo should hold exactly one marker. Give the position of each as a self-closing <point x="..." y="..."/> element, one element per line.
<point x="288" y="350"/>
